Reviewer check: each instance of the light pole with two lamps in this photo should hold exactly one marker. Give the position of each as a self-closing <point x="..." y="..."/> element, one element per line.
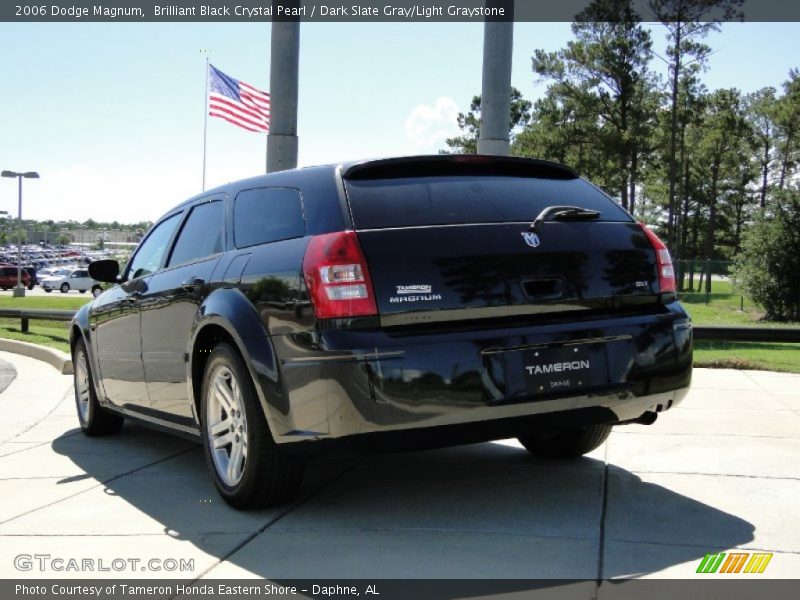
<point x="19" y="291"/>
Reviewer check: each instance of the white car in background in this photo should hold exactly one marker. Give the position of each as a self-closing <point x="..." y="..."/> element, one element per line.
<point x="65" y="280"/>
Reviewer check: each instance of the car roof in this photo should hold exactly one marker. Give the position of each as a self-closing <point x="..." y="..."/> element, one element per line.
<point x="402" y="166"/>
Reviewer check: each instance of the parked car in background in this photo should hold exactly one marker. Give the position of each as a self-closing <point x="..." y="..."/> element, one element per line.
<point x="403" y="303"/>
<point x="8" y="277"/>
<point x="32" y="276"/>
<point x="65" y="280"/>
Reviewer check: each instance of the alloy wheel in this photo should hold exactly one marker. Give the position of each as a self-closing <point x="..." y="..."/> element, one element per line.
<point x="82" y="385"/>
<point x="226" y="426"/>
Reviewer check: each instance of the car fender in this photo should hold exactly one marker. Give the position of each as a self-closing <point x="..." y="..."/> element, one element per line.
<point x="79" y="328"/>
<point x="232" y="311"/>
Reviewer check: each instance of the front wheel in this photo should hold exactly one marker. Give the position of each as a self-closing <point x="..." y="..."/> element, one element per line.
<point x="249" y="469"/>
<point x="94" y="419"/>
<point x="566" y="444"/>
<point x="64" y="288"/>
<point x="96" y="291"/>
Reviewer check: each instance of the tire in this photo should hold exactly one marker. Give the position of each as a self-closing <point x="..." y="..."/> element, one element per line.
<point x="64" y="288"/>
<point x="567" y="444"/>
<point x="30" y="286"/>
<point x="96" y="291"/>
<point x="261" y="475"/>
<point x="82" y="291"/>
<point x="94" y="419"/>
<point x="47" y="290"/>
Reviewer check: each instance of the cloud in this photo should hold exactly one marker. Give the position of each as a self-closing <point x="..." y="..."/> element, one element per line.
<point x="429" y="126"/>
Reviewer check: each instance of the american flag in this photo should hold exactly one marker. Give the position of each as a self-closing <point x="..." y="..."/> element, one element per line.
<point x="237" y="102"/>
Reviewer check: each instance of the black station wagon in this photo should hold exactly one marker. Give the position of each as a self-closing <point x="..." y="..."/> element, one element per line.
<point x="403" y="303"/>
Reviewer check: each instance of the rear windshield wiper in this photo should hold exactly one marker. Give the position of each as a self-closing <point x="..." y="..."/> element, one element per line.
<point x="563" y="213"/>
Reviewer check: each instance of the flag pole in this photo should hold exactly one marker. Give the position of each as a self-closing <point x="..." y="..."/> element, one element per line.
<point x="205" y="120"/>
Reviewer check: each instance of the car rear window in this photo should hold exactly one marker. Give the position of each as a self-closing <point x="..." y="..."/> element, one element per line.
<point x="418" y="201"/>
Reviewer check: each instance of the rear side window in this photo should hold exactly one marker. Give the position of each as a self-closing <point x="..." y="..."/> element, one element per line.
<point x="201" y="235"/>
<point x="267" y="215"/>
<point x="415" y="201"/>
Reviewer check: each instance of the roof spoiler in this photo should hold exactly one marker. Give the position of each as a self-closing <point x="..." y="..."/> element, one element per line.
<point x="456" y="164"/>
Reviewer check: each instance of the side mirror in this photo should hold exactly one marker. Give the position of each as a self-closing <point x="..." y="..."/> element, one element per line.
<point x="106" y="271"/>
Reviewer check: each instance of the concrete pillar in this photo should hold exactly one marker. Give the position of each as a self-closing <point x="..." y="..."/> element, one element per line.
<point x="283" y="86"/>
<point x="498" y="43"/>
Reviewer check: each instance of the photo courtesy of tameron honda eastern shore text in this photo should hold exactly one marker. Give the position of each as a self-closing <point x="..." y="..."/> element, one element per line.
<point x="402" y="303"/>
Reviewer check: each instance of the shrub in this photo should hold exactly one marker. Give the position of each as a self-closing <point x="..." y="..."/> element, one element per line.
<point x="768" y="267"/>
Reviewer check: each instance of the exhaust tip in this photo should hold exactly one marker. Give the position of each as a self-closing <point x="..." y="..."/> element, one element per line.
<point x="647" y="418"/>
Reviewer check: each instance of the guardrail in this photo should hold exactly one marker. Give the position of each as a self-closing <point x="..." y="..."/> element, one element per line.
<point x="747" y="334"/>
<point x="703" y="332"/>
<point x="43" y="314"/>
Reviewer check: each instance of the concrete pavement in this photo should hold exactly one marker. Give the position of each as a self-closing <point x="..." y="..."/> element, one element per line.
<point x="720" y="472"/>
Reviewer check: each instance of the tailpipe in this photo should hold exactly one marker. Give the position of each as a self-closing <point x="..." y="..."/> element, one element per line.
<point x="647" y="418"/>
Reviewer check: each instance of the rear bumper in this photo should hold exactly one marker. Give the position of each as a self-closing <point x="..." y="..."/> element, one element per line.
<point x="378" y="387"/>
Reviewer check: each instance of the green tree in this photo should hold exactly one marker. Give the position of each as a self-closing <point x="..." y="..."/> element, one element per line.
<point x="724" y="130"/>
<point x="687" y="22"/>
<point x="787" y="119"/>
<point x="766" y="269"/>
<point x="470" y="123"/>
<point x="603" y="75"/>
<point x="762" y="109"/>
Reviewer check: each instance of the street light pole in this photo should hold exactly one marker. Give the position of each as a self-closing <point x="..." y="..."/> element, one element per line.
<point x="19" y="291"/>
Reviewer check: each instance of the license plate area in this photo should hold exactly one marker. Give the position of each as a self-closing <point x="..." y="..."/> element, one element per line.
<point x="552" y="370"/>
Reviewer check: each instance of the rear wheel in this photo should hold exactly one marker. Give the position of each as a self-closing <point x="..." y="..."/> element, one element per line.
<point x="64" y="288"/>
<point x="249" y="469"/>
<point x="94" y="419"/>
<point x="566" y="444"/>
<point x="47" y="290"/>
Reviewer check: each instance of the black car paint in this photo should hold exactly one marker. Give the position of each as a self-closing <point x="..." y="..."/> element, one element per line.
<point x="433" y="373"/>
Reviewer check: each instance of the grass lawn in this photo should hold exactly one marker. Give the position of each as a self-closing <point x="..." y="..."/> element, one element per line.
<point x="747" y="355"/>
<point x="47" y="333"/>
<point x="724" y="306"/>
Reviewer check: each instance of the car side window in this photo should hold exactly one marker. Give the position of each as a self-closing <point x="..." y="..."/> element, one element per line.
<point x="150" y="253"/>
<point x="267" y="215"/>
<point x="201" y="235"/>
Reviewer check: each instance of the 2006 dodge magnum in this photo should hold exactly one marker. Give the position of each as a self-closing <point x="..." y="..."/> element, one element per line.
<point x="404" y="303"/>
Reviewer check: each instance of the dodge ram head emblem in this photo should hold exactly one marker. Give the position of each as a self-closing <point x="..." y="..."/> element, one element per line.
<point x="531" y="239"/>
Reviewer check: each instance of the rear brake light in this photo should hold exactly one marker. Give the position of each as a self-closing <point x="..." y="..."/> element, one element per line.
<point x="337" y="277"/>
<point x="666" y="272"/>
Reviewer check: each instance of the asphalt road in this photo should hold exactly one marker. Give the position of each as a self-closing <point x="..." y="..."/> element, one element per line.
<point x="718" y="473"/>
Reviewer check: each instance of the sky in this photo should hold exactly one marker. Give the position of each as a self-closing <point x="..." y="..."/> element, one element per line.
<point x="111" y="114"/>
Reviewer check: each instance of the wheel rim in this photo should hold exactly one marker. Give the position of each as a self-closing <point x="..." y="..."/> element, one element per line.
<point x="226" y="426"/>
<point x="82" y="395"/>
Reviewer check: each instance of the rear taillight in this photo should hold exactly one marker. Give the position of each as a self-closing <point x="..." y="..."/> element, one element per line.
<point x="666" y="273"/>
<point x="337" y="277"/>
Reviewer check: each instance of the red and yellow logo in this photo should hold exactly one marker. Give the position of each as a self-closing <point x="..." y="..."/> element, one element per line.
<point x="735" y="562"/>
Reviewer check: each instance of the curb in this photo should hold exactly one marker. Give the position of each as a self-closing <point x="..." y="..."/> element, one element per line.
<point x="53" y="357"/>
